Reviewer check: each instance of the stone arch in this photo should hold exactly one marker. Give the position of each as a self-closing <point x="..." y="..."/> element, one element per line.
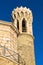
<point x="24" y="29"/>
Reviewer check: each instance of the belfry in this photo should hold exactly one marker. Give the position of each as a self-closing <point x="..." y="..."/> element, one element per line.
<point x="16" y="39"/>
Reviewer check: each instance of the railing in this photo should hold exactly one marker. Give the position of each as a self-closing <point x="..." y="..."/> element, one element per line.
<point x="15" y="57"/>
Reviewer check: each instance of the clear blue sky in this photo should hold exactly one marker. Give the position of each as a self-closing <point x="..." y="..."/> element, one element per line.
<point x="6" y="7"/>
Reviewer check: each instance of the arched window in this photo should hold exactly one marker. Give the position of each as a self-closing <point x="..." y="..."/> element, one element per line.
<point x="17" y="24"/>
<point x="23" y="25"/>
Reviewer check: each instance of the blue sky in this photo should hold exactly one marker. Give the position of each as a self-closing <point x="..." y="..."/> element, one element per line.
<point x="6" y="7"/>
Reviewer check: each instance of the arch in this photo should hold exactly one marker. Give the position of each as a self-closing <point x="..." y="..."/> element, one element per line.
<point x="23" y="25"/>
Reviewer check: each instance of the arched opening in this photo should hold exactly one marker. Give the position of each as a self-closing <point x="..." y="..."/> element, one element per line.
<point x="23" y="25"/>
<point x="17" y="24"/>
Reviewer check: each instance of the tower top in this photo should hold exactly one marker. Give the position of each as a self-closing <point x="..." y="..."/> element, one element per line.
<point x="22" y="12"/>
<point x="22" y="19"/>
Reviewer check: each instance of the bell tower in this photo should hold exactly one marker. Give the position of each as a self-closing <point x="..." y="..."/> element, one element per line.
<point x="22" y="19"/>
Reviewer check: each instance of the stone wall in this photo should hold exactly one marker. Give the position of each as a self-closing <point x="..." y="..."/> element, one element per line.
<point x="8" y="36"/>
<point x="26" y="48"/>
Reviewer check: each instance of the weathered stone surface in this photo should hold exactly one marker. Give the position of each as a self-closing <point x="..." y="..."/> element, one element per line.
<point x="17" y="44"/>
<point x="5" y="61"/>
<point x="26" y="48"/>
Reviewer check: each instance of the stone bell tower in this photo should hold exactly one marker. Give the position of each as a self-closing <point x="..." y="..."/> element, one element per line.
<point x="22" y="20"/>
